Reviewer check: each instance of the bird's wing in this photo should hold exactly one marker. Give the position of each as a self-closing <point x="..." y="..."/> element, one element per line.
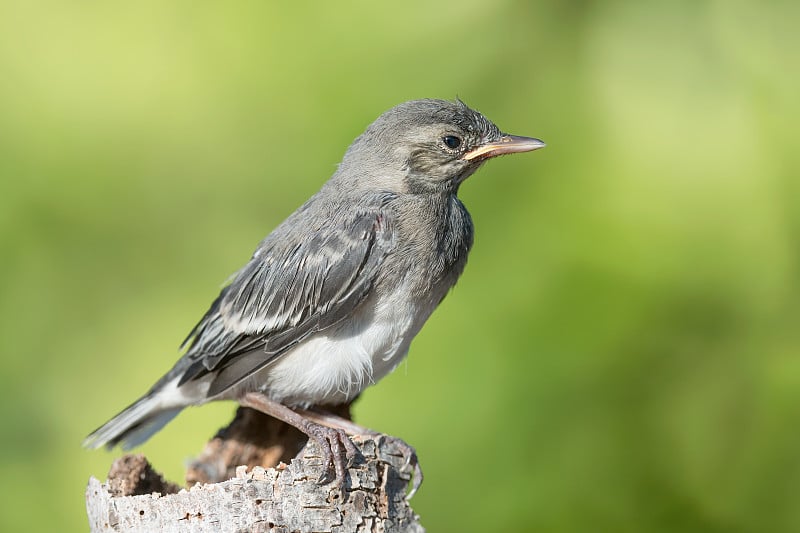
<point x="298" y="282"/>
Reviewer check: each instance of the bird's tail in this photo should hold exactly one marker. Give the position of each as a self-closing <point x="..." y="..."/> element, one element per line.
<point x="134" y="425"/>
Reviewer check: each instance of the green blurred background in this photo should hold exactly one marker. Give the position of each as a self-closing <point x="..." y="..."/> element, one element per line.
<point x="623" y="351"/>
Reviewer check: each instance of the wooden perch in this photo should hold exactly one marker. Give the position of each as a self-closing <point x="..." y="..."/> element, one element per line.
<point x="254" y="497"/>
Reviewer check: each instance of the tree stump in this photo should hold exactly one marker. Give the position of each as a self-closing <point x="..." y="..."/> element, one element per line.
<point x="242" y="482"/>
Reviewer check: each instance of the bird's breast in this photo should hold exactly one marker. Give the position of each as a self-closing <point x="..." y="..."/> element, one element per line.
<point x="434" y="236"/>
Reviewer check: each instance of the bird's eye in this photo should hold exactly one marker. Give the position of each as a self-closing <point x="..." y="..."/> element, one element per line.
<point x="451" y="141"/>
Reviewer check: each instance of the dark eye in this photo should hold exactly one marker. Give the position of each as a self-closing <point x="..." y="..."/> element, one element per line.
<point x="452" y="142"/>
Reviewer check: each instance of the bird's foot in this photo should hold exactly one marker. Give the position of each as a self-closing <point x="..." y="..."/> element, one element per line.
<point x="337" y="450"/>
<point x="410" y="464"/>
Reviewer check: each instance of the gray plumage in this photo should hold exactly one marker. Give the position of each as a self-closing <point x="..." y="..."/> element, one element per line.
<point x="331" y="299"/>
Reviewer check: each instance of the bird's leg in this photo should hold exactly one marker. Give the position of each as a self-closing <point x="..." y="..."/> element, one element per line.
<point x="337" y="422"/>
<point x="336" y="447"/>
<point x="328" y="419"/>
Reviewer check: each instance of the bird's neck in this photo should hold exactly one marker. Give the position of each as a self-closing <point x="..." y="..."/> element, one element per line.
<point x="438" y="223"/>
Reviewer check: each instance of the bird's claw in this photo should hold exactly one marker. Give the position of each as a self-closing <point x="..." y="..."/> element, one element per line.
<point x="337" y="451"/>
<point x="411" y="463"/>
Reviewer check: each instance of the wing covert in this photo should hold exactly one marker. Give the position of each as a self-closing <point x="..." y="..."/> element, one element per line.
<point x="287" y="292"/>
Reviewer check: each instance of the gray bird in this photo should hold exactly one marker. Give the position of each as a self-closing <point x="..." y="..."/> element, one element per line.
<point x="332" y="298"/>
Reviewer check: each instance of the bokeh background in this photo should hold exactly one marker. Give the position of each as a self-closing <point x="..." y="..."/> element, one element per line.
<point x="623" y="351"/>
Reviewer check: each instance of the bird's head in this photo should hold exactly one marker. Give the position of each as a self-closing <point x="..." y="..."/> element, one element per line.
<point x="427" y="146"/>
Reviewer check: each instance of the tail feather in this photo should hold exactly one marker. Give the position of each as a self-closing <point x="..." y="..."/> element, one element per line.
<point x="134" y="425"/>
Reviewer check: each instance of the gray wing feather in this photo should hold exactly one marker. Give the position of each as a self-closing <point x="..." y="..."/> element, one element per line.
<point x="285" y="293"/>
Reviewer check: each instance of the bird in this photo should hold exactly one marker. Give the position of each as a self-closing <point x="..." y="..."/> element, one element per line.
<point x="331" y="299"/>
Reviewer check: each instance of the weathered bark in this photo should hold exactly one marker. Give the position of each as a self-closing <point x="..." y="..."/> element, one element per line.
<point x="252" y="439"/>
<point x="252" y="498"/>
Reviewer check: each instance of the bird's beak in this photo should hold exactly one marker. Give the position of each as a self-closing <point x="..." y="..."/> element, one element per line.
<point x="508" y="144"/>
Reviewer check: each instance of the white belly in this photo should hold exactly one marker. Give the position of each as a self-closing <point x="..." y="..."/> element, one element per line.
<point x="333" y="367"/>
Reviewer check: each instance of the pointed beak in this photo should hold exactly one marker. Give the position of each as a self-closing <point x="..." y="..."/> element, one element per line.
<point x="508" y="144"/>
